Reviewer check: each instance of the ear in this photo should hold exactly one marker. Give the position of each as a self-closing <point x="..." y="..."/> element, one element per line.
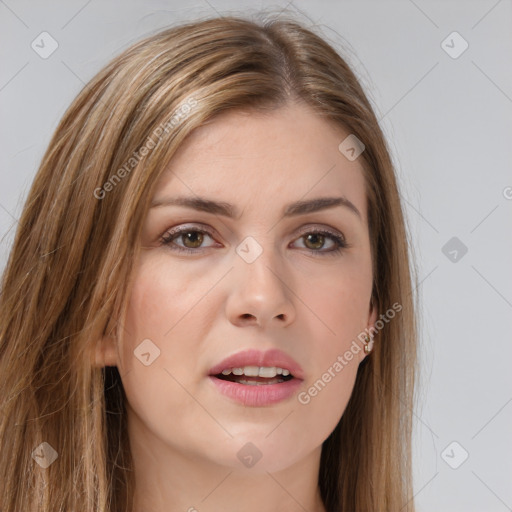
<point x="104" y="352"/>
<point x="372" y="318"/>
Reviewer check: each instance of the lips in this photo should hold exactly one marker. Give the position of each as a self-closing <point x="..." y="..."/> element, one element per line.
<point x="269" y="358"/>
<point x="251" y="391"/>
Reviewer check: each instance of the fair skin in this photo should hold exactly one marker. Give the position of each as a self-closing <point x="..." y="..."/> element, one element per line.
<point x="203" y="306"/>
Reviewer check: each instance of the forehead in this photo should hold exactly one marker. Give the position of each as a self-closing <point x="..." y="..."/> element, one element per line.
<point x="260" y="159"/>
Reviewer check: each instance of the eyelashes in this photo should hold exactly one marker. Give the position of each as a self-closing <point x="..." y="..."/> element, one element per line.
<point x="169" y="237"/>
<point x="314" y="236"/>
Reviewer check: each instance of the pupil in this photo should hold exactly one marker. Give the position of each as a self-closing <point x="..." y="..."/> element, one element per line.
<point x="315" y="236"/>
<point x="189" y="237"/>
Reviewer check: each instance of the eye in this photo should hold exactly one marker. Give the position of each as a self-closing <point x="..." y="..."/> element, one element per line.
<point x="314" y="240"/>
<point x="191" y="237"/>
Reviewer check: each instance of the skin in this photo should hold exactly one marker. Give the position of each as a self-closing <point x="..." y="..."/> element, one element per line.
<point x="200" y="308"/>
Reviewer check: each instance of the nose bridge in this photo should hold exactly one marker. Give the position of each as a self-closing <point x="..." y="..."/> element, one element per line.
<point x="260" y="284"/>
<point x="259" y="262"/>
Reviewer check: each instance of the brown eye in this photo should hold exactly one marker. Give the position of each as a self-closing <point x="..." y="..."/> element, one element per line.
<point x="314" y="240"/>
<point x="323" y="243"/>
<point x="192" y="239"/>
<point x="186" y="240"/>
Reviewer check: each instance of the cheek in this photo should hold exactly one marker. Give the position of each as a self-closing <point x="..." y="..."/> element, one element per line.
<point x="322" y="402"/>
<point x="162" y="298"/>
<point x="167" y="316"/>
<point x="152" y="313"/>
<point x="338" y="304"/>
<point x="338" y="308"/>
<point x="158" y="346"/>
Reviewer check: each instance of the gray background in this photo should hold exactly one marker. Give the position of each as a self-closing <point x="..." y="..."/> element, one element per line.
<point x="449" y="124"/>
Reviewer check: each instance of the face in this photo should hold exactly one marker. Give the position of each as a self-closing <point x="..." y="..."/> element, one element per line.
<point x="290" y="285"/>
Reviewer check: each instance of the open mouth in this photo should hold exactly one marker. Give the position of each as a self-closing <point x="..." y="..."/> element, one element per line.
<point x="255" y="376"/>
<point x="256" y="385"/>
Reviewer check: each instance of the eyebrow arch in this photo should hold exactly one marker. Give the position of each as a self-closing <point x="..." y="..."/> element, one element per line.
<point x="228" y="210"/>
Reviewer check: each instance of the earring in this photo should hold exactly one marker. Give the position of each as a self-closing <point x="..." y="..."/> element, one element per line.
<point x="368" y="344"/>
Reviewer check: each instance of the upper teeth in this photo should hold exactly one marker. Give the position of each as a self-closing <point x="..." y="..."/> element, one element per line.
<point x="257" y="371"/>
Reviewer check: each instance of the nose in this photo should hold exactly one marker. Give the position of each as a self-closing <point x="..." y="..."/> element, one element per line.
<point x="261" y="294"/>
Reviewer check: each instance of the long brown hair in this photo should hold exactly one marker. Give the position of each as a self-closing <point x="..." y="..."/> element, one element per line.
<point x="68" y="273"/>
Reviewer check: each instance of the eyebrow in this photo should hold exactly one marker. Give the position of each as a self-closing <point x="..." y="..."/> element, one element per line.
<point x="228" y="210"/>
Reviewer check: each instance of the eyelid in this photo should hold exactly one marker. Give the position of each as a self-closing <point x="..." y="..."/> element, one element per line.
<point x="325" y="229"/>
<point x="184" y="228"/>
<point x="197" y="226"/>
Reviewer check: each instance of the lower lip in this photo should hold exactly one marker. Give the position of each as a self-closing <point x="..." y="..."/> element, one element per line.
<point x="257" y="396"/>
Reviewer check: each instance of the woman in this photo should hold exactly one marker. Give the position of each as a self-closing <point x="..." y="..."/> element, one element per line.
<point x="208" y="303"/>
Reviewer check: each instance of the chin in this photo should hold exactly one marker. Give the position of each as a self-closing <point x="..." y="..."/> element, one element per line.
<point x="259" y="452"/>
